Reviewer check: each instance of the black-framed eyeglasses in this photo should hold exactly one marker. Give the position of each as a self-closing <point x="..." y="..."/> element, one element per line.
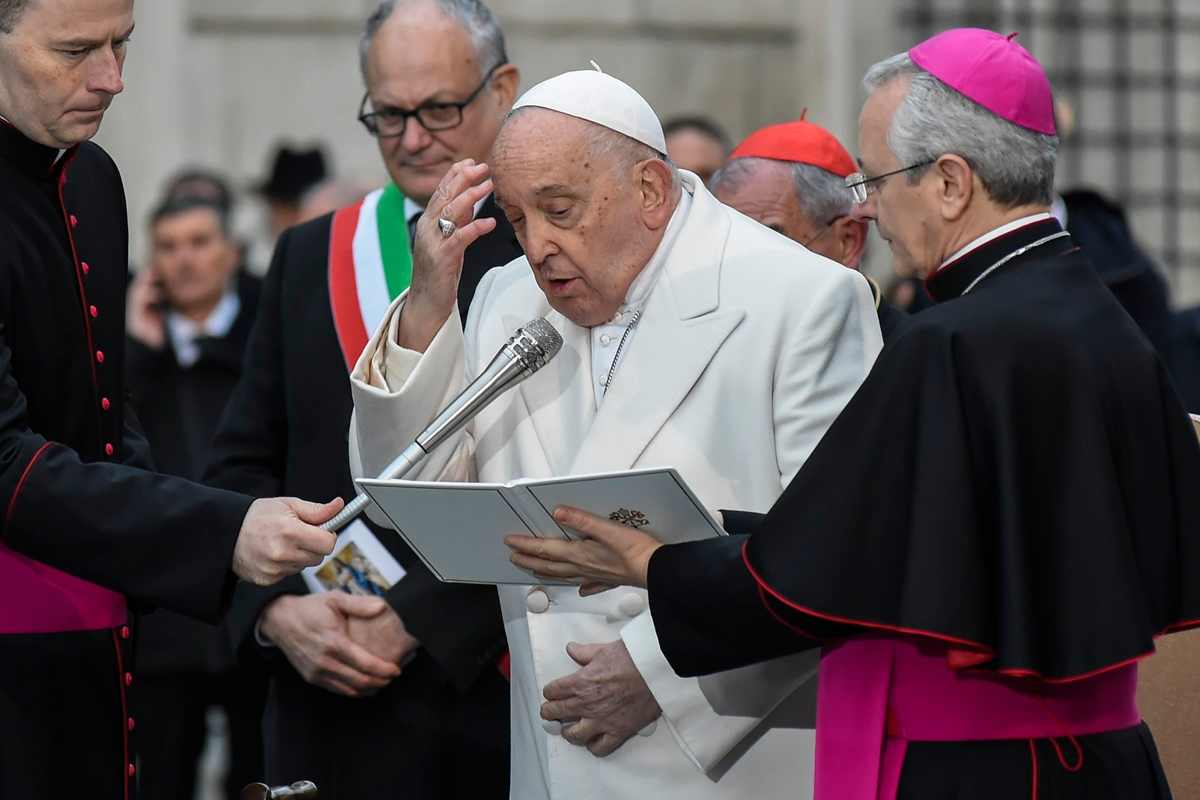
<point x="861" y="186"/>
<point x="388" y="123"/>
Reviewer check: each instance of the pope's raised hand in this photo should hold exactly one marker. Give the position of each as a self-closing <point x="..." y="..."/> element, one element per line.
<point x="443" y="234"/>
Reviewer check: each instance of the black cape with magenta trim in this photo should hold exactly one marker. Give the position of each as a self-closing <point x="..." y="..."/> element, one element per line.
<point x="1015" y="478"/>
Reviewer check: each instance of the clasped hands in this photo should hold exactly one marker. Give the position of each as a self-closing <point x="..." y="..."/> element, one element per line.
<point x="346" y="644"/>
<point x="606" y="701"/>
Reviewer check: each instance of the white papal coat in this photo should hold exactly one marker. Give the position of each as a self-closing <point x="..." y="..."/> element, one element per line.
<point x="748" y="348"/>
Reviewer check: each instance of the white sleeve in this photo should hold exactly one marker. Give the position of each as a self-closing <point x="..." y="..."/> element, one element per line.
<point x="709" y="716"/>
<point x="397" y="392"/>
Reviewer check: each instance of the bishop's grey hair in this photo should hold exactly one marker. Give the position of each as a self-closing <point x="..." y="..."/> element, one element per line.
<point x="9" y="11"/>
<point x="476" y="19"/>
<point x="821" y="194"/>
<point x="1014" y="164"/>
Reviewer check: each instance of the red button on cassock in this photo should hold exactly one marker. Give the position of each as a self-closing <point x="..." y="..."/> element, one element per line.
<point x="95" y="312"/>
<point x="99" y="356"/>
<point x="108" y="449"/>
<point x="74" y="221"/>
<point x="84" y="266"/>
<point x="132" y="770"/>
<point x="124" y="631"/>
<point x="130" y="723"/>
<point x="105" y="404"/>
<point x="128" y="678"/>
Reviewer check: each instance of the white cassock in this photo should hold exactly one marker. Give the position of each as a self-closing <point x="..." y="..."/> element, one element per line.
<point x="748" y="347"/>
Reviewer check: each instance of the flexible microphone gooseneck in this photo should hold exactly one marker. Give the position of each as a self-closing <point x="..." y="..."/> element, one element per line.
<point x="527" y="351"/>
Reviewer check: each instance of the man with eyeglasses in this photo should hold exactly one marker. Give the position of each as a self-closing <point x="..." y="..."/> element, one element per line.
<point x="438" y="87"/>
<point x="791" y="178"/>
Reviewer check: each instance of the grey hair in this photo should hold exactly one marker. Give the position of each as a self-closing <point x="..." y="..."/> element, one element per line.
<point x="603" y="141"/>
<point x="822" y="196"/>
<point x="10" y="10"/>
<point x="476" y="19"/>
<point x="1014" y="164"/>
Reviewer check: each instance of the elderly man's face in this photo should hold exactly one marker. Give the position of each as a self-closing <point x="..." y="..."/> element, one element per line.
<point x="421" y="56"/>
<point x="767" y="194"/>
<point x="60" y="67"/>
<point x="579" y="216"/>
<point x="905" y="213"/>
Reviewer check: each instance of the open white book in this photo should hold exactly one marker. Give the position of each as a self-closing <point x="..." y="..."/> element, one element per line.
<point x="458" y="529"/>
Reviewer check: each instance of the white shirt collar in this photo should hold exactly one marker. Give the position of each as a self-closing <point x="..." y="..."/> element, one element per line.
<point x="995" y="233"/>
<point x="412" y="207"/>
<point x="184" y="332"/>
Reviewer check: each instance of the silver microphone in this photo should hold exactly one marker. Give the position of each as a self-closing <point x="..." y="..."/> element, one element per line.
<point x="526" y="351"/>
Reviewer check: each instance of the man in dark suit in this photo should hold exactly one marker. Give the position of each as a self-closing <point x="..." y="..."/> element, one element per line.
<point x="438" y="88"/>
<point x="188" y="320"/>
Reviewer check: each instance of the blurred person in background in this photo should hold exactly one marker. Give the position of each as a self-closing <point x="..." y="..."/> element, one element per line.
<point x="294" y="171"/>
<point x="329" y="195"/>
<point x="697" y="144"/>
<point x="792" y="178"/>
<point x="438" y="85"/>
<point x="88" y="529"/>
<point x="188" y="318"/>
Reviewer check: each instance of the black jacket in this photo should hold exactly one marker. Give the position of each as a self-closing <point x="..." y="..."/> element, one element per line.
<point x="72" y="494"/>
<point x="284" y="432"/>
<point x="179" y="409"/>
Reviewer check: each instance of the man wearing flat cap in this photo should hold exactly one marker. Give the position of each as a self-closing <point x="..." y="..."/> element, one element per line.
<point x="792" y="178"/>
<point x="693" y="337"/>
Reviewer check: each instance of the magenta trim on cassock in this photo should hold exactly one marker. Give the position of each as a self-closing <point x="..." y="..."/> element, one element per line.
<point x="877" y="693"/>
<point x="36" y="598"/>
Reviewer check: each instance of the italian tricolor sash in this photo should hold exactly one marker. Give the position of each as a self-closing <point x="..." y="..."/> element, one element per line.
<point x="370" y="264"/>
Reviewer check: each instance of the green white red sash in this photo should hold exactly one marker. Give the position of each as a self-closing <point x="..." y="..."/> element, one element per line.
<point x="370" y="264"/>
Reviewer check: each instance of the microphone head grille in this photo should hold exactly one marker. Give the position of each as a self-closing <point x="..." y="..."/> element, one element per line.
<point x="535" y="343"/>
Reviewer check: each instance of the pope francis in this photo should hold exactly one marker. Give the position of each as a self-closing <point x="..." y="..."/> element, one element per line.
<point x="693" y="338"/>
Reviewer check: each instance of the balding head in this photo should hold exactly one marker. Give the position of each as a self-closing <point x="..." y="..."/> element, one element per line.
<point x="589" y="206"/>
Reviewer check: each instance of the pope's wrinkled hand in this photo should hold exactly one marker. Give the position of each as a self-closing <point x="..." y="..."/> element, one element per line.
<point x="608" y="555"/>
<point x="437" y="258"/>
<point x="602" y="704"/>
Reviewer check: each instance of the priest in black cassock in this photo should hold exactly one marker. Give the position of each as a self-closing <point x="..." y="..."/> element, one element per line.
<point x="84" y="527"/>
<point x="1002" y="519"/>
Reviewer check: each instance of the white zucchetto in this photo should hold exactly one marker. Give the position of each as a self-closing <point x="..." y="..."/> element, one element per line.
<point x="596" y="97"/>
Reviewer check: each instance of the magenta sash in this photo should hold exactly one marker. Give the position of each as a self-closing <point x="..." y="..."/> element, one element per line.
<point x="875" y="694"/>
<point x="35" y="598"/>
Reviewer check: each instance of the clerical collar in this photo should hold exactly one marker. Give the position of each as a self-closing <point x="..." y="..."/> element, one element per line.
<point x="967" y="265"/>
<point x="37" y="160"/>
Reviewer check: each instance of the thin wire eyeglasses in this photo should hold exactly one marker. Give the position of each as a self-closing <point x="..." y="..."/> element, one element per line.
<point x="861" y="186"/>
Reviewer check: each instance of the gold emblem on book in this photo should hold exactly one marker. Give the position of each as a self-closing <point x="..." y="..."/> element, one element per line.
<point x="629" y="518"/>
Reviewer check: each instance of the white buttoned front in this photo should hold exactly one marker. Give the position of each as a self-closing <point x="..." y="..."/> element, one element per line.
<point x="537" y="601"/>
